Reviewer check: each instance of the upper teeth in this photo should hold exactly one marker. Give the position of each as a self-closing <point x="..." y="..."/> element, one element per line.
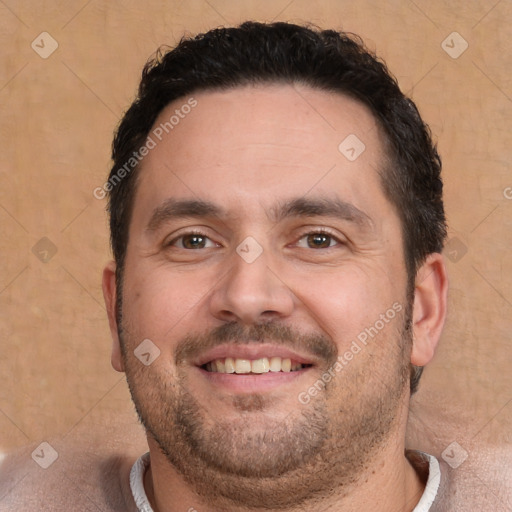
<point x="263" y="365"/>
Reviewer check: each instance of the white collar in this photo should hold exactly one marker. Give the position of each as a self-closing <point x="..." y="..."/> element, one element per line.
<point x="137" y="483"/>
<point x="432" y="486"/>
<point x="142" y="502"/>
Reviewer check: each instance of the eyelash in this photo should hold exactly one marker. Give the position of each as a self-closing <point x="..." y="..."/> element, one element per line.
<point x="319" y="231"/>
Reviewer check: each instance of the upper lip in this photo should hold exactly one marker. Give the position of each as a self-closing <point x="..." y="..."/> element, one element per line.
<point x="252" y="352"/>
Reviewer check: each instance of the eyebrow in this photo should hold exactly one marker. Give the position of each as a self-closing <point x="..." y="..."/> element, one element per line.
<point x="321" y="207"/>
<point x="182" y="208"/>
<point x="172" y="209"/>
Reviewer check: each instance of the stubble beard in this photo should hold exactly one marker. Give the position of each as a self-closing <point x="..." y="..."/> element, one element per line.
<point x="262" y="461"/>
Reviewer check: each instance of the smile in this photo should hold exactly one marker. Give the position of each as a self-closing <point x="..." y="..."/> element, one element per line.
<point x="255" y="366"/>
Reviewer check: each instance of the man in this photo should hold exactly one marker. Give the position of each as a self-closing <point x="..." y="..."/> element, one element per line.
<point x="277" y="224"/>
<point x="278" y="283"/>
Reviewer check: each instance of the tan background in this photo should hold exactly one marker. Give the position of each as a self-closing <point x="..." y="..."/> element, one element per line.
<point x="56" y="124"/>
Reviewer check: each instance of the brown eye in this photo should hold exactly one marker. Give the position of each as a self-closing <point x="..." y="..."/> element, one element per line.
<point x="192" y="241"/>
<point x="319" y="241"/>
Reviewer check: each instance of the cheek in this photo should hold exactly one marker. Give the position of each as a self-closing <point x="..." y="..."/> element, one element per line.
<point x="163" y="306"/>
<point x="345" y="302"/>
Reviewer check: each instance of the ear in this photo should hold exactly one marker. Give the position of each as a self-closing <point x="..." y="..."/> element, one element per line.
<point x="110" y="296"/>
<point x="430" y="302"/>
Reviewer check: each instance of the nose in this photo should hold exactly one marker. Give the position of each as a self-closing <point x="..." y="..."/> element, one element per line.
<point x="250" y="293"/>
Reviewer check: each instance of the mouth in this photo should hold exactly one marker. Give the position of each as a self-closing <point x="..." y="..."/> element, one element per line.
<point x="252" y="367"/>
<point x="255" y="366"/>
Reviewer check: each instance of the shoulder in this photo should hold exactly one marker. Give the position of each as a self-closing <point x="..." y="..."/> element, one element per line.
<point x="476" y="471"/>
<point x="63" y="475"/>
<point x="482" y="482"/>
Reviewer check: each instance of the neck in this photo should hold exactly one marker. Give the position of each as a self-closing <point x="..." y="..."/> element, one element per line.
<point x="390" y="484"/>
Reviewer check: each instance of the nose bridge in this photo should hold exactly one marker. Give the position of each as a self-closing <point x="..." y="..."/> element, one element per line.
<point x="250" y="291"/>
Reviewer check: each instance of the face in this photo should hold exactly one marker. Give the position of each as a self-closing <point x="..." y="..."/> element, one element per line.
<point x="267" y="269"/>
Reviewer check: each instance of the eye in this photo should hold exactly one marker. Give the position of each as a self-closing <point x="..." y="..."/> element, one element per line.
<point x="192" y="241"/>
<point x="318" y="240"/>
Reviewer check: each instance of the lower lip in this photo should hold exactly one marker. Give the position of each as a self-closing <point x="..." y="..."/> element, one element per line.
<point x="252" y="383"/>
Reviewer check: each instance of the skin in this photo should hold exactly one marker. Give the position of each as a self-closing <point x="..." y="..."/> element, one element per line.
<point x="248" y="151"/>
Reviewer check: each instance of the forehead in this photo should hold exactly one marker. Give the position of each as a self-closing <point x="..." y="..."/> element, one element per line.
<point x="254" y="144"/>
